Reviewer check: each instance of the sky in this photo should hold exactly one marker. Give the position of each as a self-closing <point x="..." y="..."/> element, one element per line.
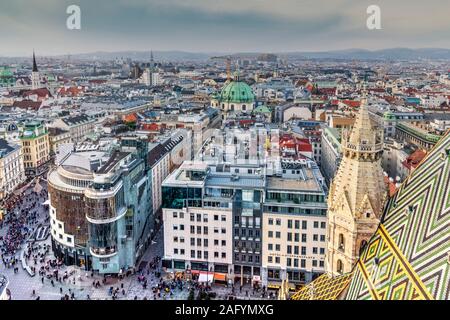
<point x="220" y="25"/>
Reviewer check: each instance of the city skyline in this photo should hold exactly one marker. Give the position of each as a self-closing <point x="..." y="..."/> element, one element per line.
<point x="220" y="26"/>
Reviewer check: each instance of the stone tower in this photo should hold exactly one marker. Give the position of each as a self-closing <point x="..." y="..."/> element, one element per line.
<point x="357" y="194"/>
<point x="35" y="78"/>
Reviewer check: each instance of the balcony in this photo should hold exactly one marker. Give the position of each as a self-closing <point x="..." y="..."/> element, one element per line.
<point x="103" y="252"/>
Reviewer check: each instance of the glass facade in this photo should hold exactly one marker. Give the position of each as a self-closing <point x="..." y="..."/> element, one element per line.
<point x="104" y="208"/>
<point x="70" y="209"/>
<point x="180" y="197"/>
<point x="103" y="238"/>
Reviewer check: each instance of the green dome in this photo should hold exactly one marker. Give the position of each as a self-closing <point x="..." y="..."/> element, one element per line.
<point x="5" y="72"/>
<point x="237" y="92"/>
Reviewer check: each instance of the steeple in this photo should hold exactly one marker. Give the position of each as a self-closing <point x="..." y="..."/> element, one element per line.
<point x="35" y="78"/>
<point x="357" y="193"/>
<point x="35" y="68"/>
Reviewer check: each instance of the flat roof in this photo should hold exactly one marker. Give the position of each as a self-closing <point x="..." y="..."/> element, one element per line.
<point x="284" y="184"/>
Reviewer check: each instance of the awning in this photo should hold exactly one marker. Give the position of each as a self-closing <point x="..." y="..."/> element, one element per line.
<point x="220" y="276"/>
<point x="273" y="285"/>
<point x="206" y="277"/>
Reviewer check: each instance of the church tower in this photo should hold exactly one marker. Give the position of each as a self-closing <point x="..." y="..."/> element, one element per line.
<point x="35" y="78"/>
<point x="357" y="194"/>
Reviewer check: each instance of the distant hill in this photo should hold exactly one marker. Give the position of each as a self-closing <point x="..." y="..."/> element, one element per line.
<point x="385" y="54"/>
<point x="396" y="54"/>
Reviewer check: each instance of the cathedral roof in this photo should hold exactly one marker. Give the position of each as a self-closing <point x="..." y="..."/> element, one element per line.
<point x="408" y="256"/>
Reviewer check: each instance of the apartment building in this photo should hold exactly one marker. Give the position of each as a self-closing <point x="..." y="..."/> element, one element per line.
<point x="35" y="147"/>
<point x="12" y="171"/>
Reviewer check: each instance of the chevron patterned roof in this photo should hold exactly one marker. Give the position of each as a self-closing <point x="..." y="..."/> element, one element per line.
<point x="409" y="255"/>
<point x="408" y="258"/>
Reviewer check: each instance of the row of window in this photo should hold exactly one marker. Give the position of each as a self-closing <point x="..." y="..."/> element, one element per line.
<point x="198" y="217"/>
<point x="199" y="254"/>
<point x="296" y="223"/>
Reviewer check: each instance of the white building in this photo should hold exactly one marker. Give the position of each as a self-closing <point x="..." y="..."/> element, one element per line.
<point x="12" y="172"/>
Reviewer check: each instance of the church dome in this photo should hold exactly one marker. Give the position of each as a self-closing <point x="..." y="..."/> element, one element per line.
<point x="237" y="92"/>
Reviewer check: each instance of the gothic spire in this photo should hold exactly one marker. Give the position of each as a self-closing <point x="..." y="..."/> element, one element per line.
<point x="35" y="68"/>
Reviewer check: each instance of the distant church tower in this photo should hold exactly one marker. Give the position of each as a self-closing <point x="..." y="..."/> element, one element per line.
<point x="357" y="194"/>
<point x="35" y="78"/>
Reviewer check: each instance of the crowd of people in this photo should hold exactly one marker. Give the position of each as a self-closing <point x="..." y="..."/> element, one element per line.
<point x="23" y="216"/>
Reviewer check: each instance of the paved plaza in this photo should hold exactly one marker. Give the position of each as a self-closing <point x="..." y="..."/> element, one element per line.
<point x="75" y="283"/>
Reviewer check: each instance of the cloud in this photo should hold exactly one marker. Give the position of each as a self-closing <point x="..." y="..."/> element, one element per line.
<point x="220" y="25"/>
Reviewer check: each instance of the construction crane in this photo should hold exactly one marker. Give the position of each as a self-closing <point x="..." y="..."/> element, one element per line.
<point x="228" y="62"/>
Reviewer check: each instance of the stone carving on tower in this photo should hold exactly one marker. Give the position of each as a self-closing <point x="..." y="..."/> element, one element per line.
<point x="357" y="194"/>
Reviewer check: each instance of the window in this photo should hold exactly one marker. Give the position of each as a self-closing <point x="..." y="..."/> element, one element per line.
<point x="199" y="242"/>
<point x="193" y="254"/>
<point x="224" y="230"/>
<point x="315" y="237"/>
<point x="175" y="239"/>
<point x="270" y="259"/>
<point x="289" y="236"/>
<point x="199" y="217"/>
<point x="303" y="237"/>
<point x="192" y="229"/>
<point x="270" y="221"/>
<point x="304" y="225"/>
<point x="199" y="254"/>
<point x="270" y="234"/>
<point x="192" y="241"/>
<point x="314" y="263"/>
<point x="175" y="251"/>
<point x="205" y="254"/>
<point x="182" y="251"/>
<point x="340" y="266"/>
<point x="224" y="255"/>
<point x="278" y="234"/>
<point x="296" y="263"/>
<point x="182" y="227"/>
<point x="314" y="250"/>
<point x="303" y="250"/>
<point x="288" y="262"/>
<point x="277" y="247"/>
<point x="205" y="230"/>
<point x="289" y="249"/>
<point x="216" y="230"/>
<point x="277" y="259"/>
<point x="297" y="224"/>
<point x="322" y="237"/>
<point x="224" y="243"/>
<point x="289" y="224"/>
<point x="192" y="217"/>
<point x="269" y="246"/>
<point x="295" y="249"/>
<point x="175" y="214"/>
<point x="278" y="222"/>
<point x="323" y="225"/>
<point x="322" y="250"/>
<point x="341" y="244"/>
<point x="316" y="224"/>
<point x="199" y="230"/>
<point x="216" y="217"/>
<point x="303" y="263"/>
<point x="223" y="218"/>
<point x="216" y="254"/>
<point x="321" y="264"/>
